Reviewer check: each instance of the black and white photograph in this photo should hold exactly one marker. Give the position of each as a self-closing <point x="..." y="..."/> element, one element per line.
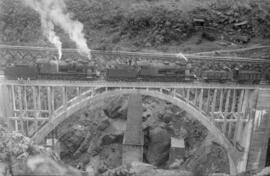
<point x="134" y="87"/>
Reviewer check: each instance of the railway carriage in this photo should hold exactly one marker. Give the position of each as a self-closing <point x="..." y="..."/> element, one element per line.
<point x="21" y="71"/>
<point x="164" y="73"/>
<point x="249" y="77"/>
<point x="217" y="76"/>
<point x="121" y="73"/>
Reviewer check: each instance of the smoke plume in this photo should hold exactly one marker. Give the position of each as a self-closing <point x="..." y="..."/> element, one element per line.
<point x="53" y="12"/>
<point x="48" y="30"/>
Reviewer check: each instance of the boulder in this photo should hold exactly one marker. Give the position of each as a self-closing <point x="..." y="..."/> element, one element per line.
<point x="103" y="125"/>
<point x="208" y="36"/>
<point x="112" y="138"/>
<point x="143" y="169"/>
<point x="116" y="108"/>
<point x="265" y="171"/>
<point x="4" y="171"/>
<point x="43" y="165"/>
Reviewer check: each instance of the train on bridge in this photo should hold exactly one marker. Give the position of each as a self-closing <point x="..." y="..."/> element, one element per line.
<point x="49" y="69"/>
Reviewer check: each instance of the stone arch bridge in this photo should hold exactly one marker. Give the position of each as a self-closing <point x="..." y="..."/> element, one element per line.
<point x="229" y="111"/>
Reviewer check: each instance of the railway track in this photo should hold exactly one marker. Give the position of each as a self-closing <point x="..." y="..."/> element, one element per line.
<point x="233" y="50"/>
<point x="196" y="56"/>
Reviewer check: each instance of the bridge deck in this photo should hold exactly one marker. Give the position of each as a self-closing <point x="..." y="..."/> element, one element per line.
<point x="132" y="84"/>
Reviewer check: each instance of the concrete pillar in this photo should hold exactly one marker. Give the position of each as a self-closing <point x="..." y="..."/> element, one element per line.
<point x="260" y="131"/>
<point x="133" y="137"/>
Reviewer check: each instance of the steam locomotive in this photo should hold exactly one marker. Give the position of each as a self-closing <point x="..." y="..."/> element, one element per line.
<point x="82" y="70"/>
<point x="52" y="69"/>
<point x="162" y="73"/>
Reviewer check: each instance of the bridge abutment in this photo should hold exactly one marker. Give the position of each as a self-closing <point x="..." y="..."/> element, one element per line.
<point x="260" y="132"/>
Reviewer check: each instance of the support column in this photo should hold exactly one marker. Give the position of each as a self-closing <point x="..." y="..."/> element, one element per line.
<point x="133" y="137"/>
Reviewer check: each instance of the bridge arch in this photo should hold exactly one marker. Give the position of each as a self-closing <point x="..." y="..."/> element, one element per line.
<point x="93" y="98"/>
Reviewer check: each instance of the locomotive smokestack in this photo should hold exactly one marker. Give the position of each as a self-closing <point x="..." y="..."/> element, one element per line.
<point x="54" y="12"/>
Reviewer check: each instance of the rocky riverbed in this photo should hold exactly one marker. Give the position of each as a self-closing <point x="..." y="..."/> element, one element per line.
<point x="92" y="138"/>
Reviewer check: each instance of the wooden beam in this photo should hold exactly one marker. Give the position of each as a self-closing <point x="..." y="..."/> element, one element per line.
<point x="30" y="118"/>
<point x="234" y="101"/>
<point x="232" y="110"/>
<point x="39" y="99"/>
<point x="16" y="125"/>
<point x="243" y="109"/>
<point x="52" y="99"/>
<point x="208" y="100"/>
<point x="34" y="88"/>
<point x="196" y="96"/>
<point x="230" y="128"/>
<point x="34" y="110"/>
<point x="239" y="109"/>
<point x="64" y="96"/>
<point x="78" y="91"/>
<point x="188" y="94"/>
<point x="227" y="101"/>
<point x="226" y="110"/>
<point x="173" y="92"/>
<point x="221" y="100"/>
<point x="49" y="99"/>
<point x="231" y="120"/>
<point x="201" y="99"/>
<point x="20" y="108"/>
<point x="13" y="97"/>
<point x="241" y="100"/>
<point x="25" y="99"/>
<point x="214" y="103"/>
<point x="25" y="108"/>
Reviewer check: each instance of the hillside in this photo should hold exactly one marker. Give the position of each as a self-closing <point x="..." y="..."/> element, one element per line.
<point x="92" y="138"/>
<point x="164" y="25"/>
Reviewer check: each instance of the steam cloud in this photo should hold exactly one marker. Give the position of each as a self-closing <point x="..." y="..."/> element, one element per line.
<point x="180" y="55"/>
<point x="52" y="12"/>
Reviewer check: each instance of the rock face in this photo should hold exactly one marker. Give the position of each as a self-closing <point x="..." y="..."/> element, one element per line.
<point x="91" y="136"/>
<point x="71" y="141"/>
<point x="208" y="158"/>
<point x="117" y="109"/>
<point x="158" y="146"/>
